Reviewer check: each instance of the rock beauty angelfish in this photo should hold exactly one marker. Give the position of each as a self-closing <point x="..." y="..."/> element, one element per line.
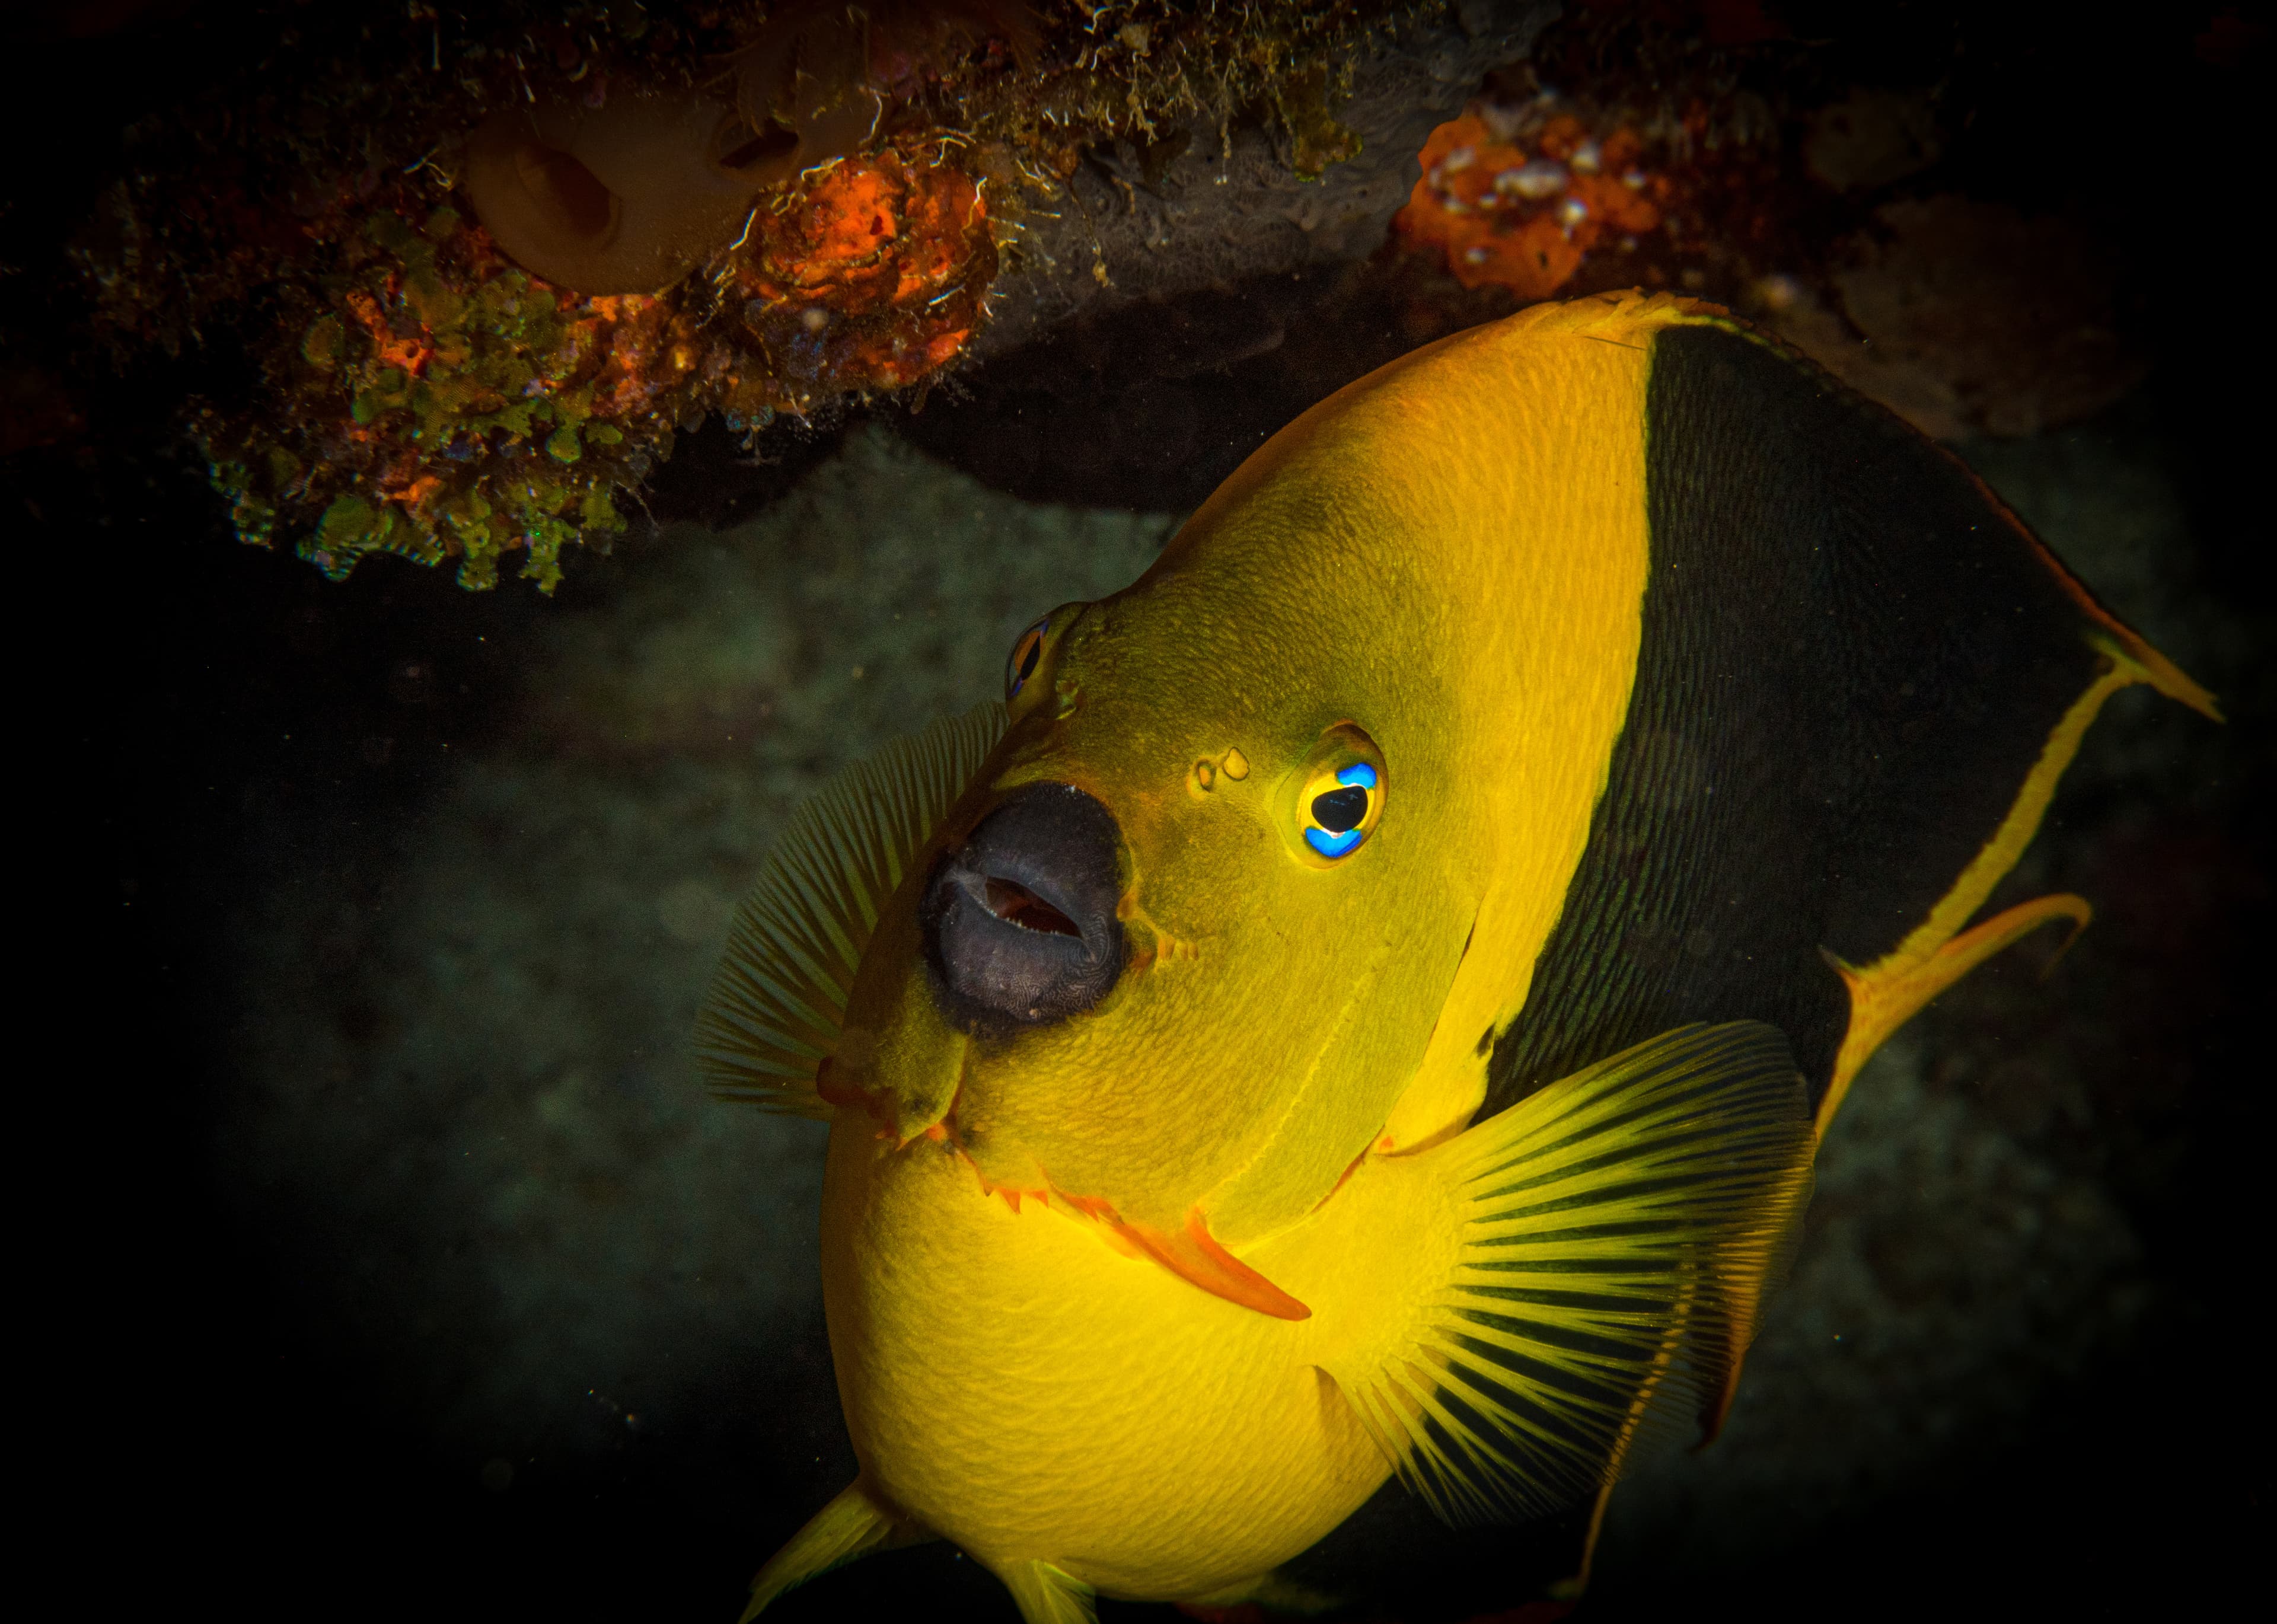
<point x="1367" y="1000"/>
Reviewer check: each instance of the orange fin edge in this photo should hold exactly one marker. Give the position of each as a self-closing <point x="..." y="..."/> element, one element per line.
<point x="1195" y="1255"/>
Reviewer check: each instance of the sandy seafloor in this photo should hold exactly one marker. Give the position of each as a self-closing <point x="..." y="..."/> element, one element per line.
<point x="551" y="1315"/>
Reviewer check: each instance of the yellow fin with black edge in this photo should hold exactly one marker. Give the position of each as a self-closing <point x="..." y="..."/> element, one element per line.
<point x="1617" y="1232"/>
<point x="774" y="1011"/>
<point x="1047" y="1596"/>
<point x="855" y="1524"/>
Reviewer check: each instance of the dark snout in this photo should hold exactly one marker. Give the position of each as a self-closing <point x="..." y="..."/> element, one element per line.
<point x="1019" y="923"/>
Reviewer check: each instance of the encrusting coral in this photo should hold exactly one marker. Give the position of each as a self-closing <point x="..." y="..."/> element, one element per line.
<point x="451" y="283"/>
<point x="485" y="270"/>
<point x="1525" y="219"/>
<point x="442" y="403"/>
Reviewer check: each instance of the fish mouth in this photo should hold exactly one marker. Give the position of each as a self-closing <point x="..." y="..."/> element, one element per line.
<point x="1021" y="928"/>
<point x="1021" y="924"/>
<point x="1015" y="904"/>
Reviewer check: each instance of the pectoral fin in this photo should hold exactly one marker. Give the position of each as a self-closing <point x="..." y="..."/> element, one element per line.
<point x="1613" y="1235"/>
<point x="779" y="994"/>
<point x="853" y="1525"/>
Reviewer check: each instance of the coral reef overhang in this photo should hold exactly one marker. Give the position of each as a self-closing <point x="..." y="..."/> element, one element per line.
<point x="450" y="287"/>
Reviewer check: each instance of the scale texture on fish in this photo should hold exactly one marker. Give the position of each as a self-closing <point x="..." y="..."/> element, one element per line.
<point x="1365" y="1001"/>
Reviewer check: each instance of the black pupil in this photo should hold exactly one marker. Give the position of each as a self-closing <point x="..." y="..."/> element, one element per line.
<point x="1029" y="655"/>
<point x="1339" y="810"/>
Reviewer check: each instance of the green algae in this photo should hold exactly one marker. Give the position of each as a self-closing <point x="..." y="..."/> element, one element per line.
<point x="444" y="409"/>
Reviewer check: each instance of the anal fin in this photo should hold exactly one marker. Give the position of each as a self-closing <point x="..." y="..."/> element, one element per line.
<point x="855" y="1524"/>
<point x="1616" y="1232"/>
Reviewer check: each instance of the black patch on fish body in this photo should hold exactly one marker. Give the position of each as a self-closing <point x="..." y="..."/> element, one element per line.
<point x="1851" y="657"/>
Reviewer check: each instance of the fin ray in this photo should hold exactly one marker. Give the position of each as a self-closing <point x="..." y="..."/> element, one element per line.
<point x="1651" y="1196"/>
<point x="775" y="1005"/>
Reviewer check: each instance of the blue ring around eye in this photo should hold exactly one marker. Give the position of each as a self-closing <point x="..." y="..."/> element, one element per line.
<point x="1333" y="845"/>
<point x="1360" y="773"/>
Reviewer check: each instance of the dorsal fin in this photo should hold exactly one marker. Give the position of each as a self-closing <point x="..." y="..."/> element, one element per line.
<point x="774" y="1011"/>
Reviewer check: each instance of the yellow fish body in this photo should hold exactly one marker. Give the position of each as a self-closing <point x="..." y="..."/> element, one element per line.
<point x="1367" y="1002"/>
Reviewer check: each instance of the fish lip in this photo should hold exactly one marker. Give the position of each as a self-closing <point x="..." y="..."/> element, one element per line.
<point x="1031" y="875"/>
<point x="993" y="975"/>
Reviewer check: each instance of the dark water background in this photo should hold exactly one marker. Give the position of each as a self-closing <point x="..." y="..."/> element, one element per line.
<point x="383" y="1258"/>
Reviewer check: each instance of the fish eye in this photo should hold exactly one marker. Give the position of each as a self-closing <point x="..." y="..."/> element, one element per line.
<point x="1332" y="800"/>
<point x="1032" y="670"/>
<point x="1339" y="808"/>
<point x="1027" y="654"/>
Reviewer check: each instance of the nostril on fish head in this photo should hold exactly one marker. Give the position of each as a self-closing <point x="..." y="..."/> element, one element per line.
<point x="1019" y="923"/>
